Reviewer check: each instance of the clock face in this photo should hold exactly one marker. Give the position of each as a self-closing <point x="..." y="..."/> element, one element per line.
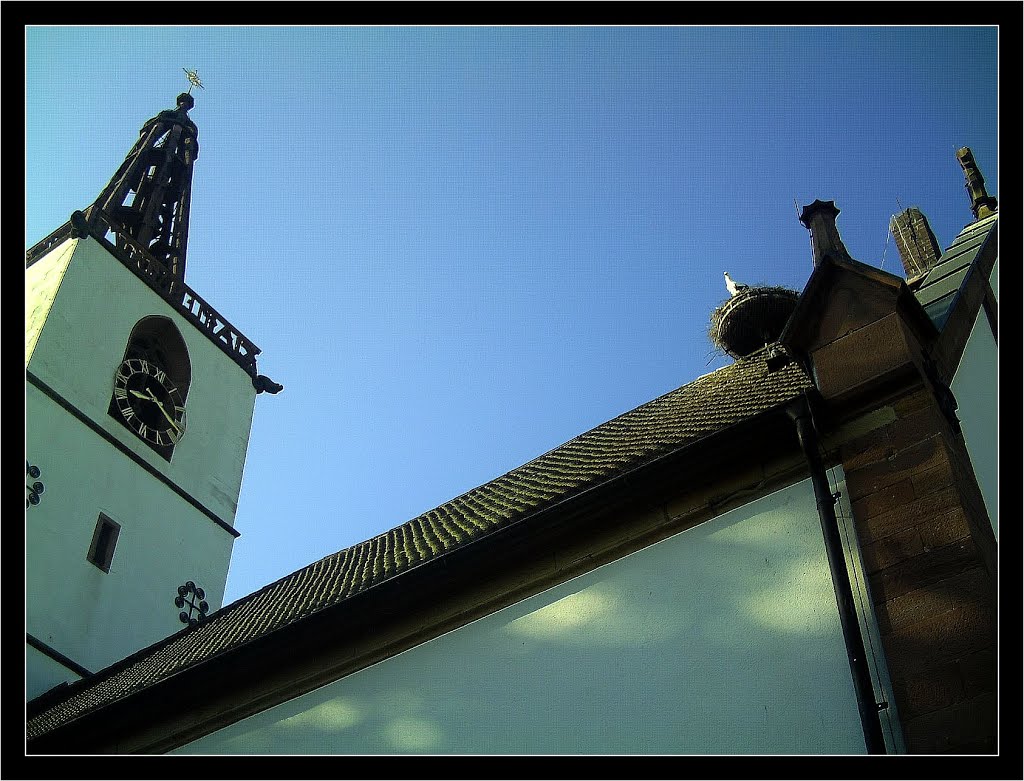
<point x="149" y="402"/>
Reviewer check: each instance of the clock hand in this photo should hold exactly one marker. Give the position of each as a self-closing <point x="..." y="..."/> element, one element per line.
<point x="140" y="395"/>
<point x="170" y="420"/>
<point x="159" y="403"/>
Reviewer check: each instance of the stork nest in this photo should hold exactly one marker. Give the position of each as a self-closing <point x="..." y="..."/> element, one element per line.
<point x="751" y="319"/>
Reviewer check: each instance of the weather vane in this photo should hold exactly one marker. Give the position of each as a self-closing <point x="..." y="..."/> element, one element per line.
<point x="193" y="78"/>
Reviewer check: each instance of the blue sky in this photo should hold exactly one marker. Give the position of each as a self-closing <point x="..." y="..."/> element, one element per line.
<point x="461" y="247"/>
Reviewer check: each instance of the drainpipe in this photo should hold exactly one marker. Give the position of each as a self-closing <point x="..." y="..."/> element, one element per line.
<point x="800" y="413"/>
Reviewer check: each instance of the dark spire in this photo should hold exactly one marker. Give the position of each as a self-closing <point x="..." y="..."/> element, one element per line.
<point x="148" y="198"/>
<point x="982" y="204"/>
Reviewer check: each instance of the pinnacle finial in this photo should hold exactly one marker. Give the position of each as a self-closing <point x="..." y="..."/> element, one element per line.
<point x="982" y="204"/>
<point x="819" y="218"/>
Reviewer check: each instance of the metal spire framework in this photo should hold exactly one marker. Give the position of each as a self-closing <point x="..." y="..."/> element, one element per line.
<point x="149" y="196"/>
<point x="141" y="217"/>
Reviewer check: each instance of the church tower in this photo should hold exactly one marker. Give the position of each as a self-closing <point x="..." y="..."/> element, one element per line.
<point x="139" y="402"/>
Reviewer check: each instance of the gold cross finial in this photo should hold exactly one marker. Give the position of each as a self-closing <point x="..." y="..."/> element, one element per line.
<point x="193" y="78"/>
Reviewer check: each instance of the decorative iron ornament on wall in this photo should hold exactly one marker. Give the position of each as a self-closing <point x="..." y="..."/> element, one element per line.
<point x="194" y="598"/>
<point x="33" y="490"/>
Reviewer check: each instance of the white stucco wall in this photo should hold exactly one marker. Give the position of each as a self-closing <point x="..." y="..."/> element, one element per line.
<point x="91" y="616"/>
<point x="976" y="388"/>
<point x="42" y="280"/>
<point x="82" y="342"/>
<point x="723" y="639"/>
<point x="80" y="312"/>
<point x="43" y="673"/>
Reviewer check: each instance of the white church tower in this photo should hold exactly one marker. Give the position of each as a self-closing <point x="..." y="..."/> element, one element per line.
<point x="139" y="402"/>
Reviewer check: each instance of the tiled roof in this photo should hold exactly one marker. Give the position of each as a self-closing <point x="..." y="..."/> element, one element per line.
<point x="938" y="290"/>
<point x="706" y="405"/>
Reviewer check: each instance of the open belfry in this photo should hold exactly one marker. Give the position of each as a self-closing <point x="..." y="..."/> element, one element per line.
<point x="793" y="554"/>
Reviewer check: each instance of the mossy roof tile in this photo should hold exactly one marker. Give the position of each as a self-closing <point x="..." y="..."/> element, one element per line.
<point x="716" y="400"/>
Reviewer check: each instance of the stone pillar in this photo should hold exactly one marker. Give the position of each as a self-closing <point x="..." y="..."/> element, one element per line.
<point x="929" y="556"/>
<point x="928" y="547"/>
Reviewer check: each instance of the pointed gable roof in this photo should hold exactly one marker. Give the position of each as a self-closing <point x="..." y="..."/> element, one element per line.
<point x="866" y="294"/>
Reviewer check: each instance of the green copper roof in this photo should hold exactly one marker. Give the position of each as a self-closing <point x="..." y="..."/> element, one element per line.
<point x="706" y="405"/>
<point x="939" y="289"/>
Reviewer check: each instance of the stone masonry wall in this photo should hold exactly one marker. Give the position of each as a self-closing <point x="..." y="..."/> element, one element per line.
<point x="929" y="556"/>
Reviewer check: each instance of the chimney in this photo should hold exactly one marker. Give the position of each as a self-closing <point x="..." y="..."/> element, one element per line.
<point x="820" y="219"/>
<point x="982" y="204"/>
<point x="915" y="241"/>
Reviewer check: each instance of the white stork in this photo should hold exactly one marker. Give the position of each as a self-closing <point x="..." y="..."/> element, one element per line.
<point x="734" y="288"/>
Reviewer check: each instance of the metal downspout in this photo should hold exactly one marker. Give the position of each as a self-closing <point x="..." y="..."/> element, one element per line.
<point x="855" y="650"/>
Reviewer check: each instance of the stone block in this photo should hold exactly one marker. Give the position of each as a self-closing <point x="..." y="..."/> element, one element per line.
<point x="931" y="688"/>
<point x="889" y="498"/>
<point x="979" y="672"/>
<point x="911" y="607"/>
<point x="965" y="727"/>
<point x="965" y="628"/>
<point x="944" y="528"/>
<point x="930" y="567"/>
<point x="865" y="449"/>
<point x="922" y="457"/>
<point x="891" y="550"/>
<point x="919" y="399"/>
<point x="935" y="479"/>
<point x="915" y="426"/>
<point x="916" y="512"/>
<point x="863" y="358"/>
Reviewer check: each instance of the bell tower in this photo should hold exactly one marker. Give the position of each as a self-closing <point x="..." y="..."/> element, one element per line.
<point x="139" y="403"/>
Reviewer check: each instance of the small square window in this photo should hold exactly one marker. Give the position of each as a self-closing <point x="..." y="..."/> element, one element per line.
<point x="104" y="538"/>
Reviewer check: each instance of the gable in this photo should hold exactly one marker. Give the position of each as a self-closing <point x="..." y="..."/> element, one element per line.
<point x="849" y="302"/>
<point x="844" y="295"/>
